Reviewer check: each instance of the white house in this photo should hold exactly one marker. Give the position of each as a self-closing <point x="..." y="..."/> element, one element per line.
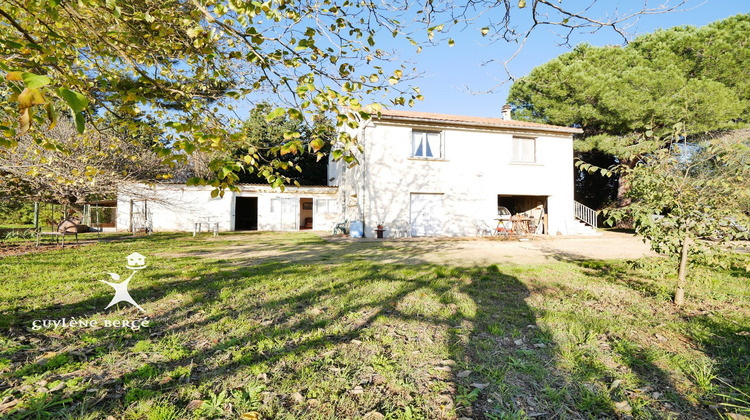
<point x="428" y="174"/>
<point x="440" y="173"/>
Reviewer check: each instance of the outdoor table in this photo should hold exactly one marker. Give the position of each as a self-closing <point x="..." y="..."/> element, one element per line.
<point x="198" y="224"/>
<point x="520" y="225"/>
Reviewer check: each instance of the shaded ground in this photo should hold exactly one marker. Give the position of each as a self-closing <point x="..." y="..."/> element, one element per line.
<point x="305" y="327"/>
<point x="460" y="251"/>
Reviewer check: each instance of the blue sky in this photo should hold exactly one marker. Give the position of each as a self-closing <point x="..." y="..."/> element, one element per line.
<point x="449" y="71"/>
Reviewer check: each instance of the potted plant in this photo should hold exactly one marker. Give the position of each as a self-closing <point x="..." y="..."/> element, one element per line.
<point x="380" y="229"/>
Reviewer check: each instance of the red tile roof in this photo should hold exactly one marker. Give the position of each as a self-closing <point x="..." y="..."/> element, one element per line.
<point x="390" y="115"/>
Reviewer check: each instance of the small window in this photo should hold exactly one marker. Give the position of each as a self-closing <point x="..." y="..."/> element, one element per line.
<point x="426" y="145"/>
<point x="323" y="205"/>
<point x="524" y="149"/>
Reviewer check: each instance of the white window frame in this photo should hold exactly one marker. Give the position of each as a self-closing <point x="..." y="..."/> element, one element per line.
<point x="517" y="152"/>
<point x="326" y="205"/>
<point x="419" y="138"/>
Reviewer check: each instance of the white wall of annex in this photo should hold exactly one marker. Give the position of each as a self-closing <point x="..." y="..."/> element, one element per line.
<point x="175" y="208"/>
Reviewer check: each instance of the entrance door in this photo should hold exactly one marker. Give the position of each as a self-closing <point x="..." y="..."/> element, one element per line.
<point x="426" y="214"/>
<point x="246" y="213"/>
<point x="289" y="213"/>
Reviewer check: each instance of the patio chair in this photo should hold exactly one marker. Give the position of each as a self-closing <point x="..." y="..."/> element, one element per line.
<point x="400" y="229"/>
<point x="341" y="228"/>
<point x="483" y="228"/>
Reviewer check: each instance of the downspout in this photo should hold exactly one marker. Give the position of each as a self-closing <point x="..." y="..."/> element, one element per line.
<point x="364" y="174"/>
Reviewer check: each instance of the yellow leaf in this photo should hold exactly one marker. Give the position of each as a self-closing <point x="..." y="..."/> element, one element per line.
<point x="30" y="97"/>
<point x="24" y="121"/>
<point x="252" y="415"/>
<point x="14" y="76"/>
<point x="317" y="144"/>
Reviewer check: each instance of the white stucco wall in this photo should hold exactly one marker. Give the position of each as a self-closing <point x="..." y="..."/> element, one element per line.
<point x="176" y="207"/>
<point x="476" y="168"/>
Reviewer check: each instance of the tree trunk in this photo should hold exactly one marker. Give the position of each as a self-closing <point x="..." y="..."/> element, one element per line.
<point x="679" y="295"/>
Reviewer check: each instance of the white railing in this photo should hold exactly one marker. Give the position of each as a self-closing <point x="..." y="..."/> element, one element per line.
<point x="585" y="214"/>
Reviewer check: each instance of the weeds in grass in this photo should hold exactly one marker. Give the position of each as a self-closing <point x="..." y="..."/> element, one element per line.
<point x="325" y="329"/>
<point x="466" y="396"/>
<point x="40" y="406"/>
<point x="248" y="398"/>
<point x="737" y="403"/>
<point x="213" y="406"/>
<point x="703" y="374"/>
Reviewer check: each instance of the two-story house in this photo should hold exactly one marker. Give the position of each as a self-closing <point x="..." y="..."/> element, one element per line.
<point x="420" y="173"/>
<point x="440" y="173"/>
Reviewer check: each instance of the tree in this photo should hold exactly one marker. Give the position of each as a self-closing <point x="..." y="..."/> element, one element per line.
<point x="92" y="165"/>
<point x="689" y="201"/>
<point x="192" y="64"/>
<point x="634" y="100"/>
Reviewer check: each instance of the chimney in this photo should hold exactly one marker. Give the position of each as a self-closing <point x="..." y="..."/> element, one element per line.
<point x="506" y="112"/>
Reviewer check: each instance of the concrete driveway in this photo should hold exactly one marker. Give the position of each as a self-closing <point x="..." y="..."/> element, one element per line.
<point x="257" y="248"/>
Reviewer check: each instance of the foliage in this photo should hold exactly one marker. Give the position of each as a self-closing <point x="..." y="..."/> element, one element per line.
<point x="688" y="201"/>
<point x="267" y="137"/>
<point x="662" y="88"/>
<point x="194" y="66"/>
<point x="79" y="166"/>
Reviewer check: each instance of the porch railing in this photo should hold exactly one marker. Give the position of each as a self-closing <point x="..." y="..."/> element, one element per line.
<point x="585" y="214"/>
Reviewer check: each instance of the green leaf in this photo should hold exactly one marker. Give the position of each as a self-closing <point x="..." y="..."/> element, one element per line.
<point x="51" y="115"/>
<point x="80" y="123"/>
<point x="276" y="113"/>
<point x="214" y="193"/>
<point x="295" y="114"/>
<point x="76" y="101"/>
<point x="34" y="81"/>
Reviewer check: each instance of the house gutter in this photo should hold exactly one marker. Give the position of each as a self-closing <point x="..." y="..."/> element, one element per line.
<point x="468" y="124"/>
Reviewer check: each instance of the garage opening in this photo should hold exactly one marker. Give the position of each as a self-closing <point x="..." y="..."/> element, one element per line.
<point x="246" y="213"/>
<point x="533" y="207"/>
<point x="305" y="213"/>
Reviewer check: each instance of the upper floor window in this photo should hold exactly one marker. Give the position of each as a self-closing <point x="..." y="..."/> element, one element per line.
<point x="524" y="149"/>
<point x="426" y="144"/>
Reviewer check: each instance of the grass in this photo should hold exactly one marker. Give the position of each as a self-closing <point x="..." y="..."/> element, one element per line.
<point x="328" y="330"/>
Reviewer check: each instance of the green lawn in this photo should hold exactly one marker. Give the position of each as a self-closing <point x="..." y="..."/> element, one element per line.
<point x="336" y="333"/>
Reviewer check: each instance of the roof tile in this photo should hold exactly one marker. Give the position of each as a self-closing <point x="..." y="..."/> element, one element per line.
<point x="466" y="120"/>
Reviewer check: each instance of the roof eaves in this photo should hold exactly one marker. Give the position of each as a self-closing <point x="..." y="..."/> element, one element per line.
<point x="521" y="125"/>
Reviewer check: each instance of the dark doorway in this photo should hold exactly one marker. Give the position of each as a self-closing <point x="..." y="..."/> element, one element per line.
<point x="246" y="213"/>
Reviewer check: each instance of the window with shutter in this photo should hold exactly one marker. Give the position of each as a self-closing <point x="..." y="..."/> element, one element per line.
<point x="524" y="150"/>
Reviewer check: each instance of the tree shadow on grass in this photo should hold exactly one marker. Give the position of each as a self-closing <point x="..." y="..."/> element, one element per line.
<point x="322" y="340"/>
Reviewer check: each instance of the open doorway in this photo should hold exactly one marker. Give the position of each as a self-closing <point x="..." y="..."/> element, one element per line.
<point x="531" y="206"/>
<point x="246" y="213"/>
<point x="305" y="213"/>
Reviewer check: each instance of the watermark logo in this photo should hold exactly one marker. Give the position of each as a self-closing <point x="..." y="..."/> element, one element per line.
<point x="136" y="262"/>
